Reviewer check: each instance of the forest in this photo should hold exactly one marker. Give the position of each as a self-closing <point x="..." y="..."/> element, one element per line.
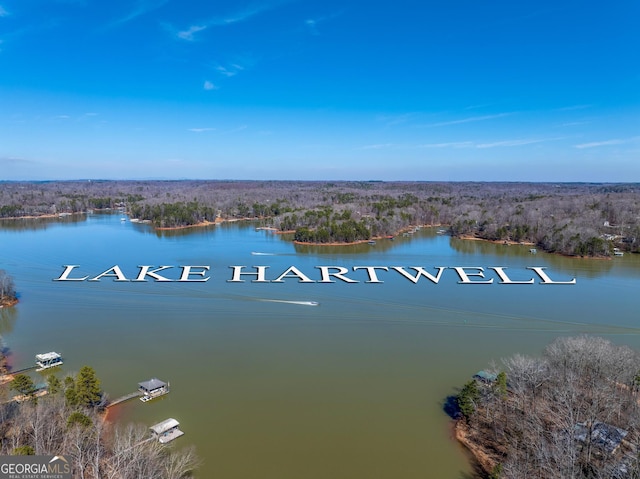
<point x="573" y="413"/>
<point x="581" y="219"/>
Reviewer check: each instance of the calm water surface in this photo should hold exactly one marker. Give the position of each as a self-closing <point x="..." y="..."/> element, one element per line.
<point x="353" y="387"/>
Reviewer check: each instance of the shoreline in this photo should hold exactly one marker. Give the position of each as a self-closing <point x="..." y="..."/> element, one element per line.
<point x="9" y="302"/>
<point x="197" y="225"/>
<point x="37" y="217"/>
<point x="478" y="457"/>
<point x="352" y="243"/>
<point x="503" y="242"/>
<point x="469" y="237"/>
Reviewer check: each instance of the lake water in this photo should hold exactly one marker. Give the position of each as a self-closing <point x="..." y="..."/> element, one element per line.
<point x="352" y="387"/>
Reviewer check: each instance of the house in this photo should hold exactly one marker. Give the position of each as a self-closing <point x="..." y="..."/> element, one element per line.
<point x="485" y="377"/>
<point x="603" y="436"/>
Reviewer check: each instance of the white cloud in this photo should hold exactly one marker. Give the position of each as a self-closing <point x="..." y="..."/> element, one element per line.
<point x="576" y="123"/>
<point x="188" y="33"/>
<point x="236" y="17"/>
<point x="3" y="12"/>
<point x="141" y="7"/>
<point x="573" y="107"/>
<point x="391" y="120"/>
<point x="200" y="130"/>
<point x="209" y="86"/>
<point x="231" y="70"/>
<point x="312" y="23"/>
<point x="493" y="144"/>
<point x="241" y="15"/>
<point x="378" y="146"/>
<point x="236" y="130"/>
<point x="601" y="143"/>
<point x="470" y="119"/>
<point x="509" y="143"/>
<point x="454" y="144"/>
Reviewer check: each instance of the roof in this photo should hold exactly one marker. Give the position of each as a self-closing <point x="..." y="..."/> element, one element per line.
<point x="603" y="435"/>
<point x="164" y="426"/>
<point x="151" y="384"/>
<point x="485" y="376"/>
<point x="47" y="356"/>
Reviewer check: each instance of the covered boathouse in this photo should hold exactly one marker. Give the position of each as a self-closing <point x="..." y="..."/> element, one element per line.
<point x="152" y="388"/>
<point x="48" y="360"/>
<point x="166" y="431"/>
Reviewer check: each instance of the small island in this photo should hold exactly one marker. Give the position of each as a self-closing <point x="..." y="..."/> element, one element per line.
<point x="572" y="413"/>
<point x="8" y="295"/>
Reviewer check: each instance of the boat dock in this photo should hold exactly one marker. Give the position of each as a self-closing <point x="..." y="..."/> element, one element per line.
<point x="23" y="370"/>
<point x="166" y="431"/>
<point x="48" y="360"/>
<point x="152" y="389"/>
<point x="122" y="399"/>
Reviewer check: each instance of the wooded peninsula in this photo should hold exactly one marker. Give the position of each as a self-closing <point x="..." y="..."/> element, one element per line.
<point x="578" y="219"/>
<point x="572" y="413"/>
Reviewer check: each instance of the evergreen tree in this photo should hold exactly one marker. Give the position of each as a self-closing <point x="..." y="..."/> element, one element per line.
<point x="87" y="390"/>
<point x="500" y="386"/>
<point x="53" y="384"/>
<point x="467" y="399"/>
<point x="23" y="384"/>
<point x="23" y="451"/>
<point x="77" y="418"/>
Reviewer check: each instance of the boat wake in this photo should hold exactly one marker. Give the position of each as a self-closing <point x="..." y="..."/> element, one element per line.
<point x="302" y="303"/>
<point x="255" y="253"/>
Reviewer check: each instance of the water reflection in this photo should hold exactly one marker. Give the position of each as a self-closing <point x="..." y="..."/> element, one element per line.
<point x="42" y="223"/>
<point x="8" y="318"/>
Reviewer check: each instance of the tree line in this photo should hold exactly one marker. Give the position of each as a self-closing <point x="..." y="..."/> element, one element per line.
<point x="585" y="219"/>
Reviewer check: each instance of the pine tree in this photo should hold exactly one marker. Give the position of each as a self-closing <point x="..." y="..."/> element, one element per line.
<point x="467" y="398"/>
<point x="23" y="384"/>
<point x="87" y="390"/>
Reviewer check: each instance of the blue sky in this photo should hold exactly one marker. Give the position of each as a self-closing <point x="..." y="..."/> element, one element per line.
<point x="403" y="90"/>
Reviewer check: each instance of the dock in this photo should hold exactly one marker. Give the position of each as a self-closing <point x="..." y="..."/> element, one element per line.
<point x="152" y="389"/>
<point x="166" y="431"/>
<point x="23" y="370"/>
<point x="122" y="399"/>
<point x="48" y="360"/>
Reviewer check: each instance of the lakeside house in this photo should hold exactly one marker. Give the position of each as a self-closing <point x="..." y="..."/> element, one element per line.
<point x="485" y="377"/>
<point x="604" y="436"/>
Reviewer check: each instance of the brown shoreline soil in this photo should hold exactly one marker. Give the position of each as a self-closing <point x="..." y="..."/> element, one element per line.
<point x="528" y="243"/>
<point x="8" y="302"/>
<point x="205" y="223"/>
<point x="480" y="458"/>
<point x="375" y="238"/>
<point x="197" y="225"/>
<point x="32" y="217"/>
<point x="339" y="244"/>
<point x="506" y="242"/>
